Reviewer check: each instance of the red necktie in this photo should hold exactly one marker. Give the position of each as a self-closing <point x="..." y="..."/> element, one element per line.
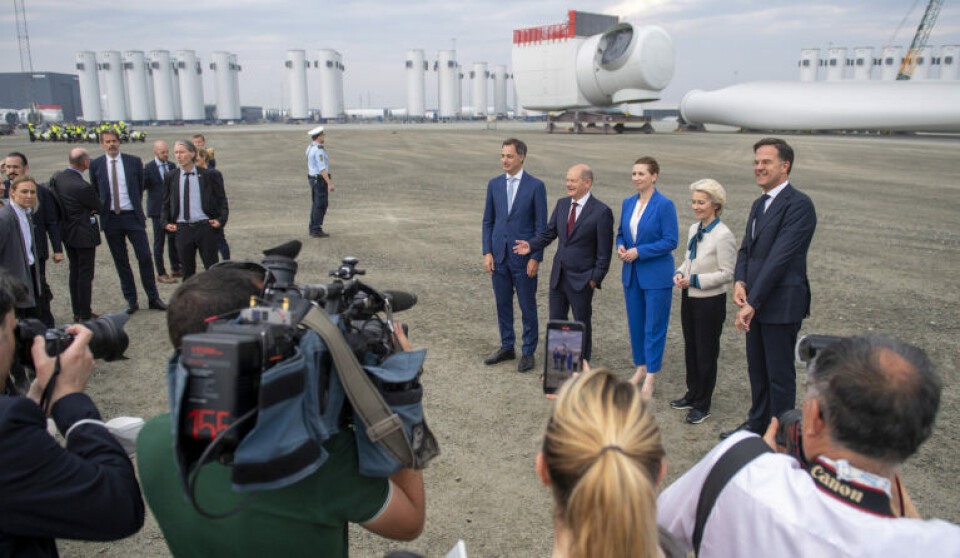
<point x="572" y="219"/>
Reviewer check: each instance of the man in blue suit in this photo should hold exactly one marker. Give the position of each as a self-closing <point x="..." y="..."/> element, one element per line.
<point x="584" y="226"/>
<point x="516" y="208"/>
<point x="154" y="173"/>
<point x="119" y="179"/>
<point x="771" y="286"/>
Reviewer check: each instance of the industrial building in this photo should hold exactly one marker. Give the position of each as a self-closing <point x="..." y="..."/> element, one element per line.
<point x="329" y="69"/>
<point x="20" y="90"/>
<point x="930" y="63"/>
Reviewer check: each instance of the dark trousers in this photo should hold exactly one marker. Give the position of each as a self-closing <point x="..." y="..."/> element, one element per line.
<point x="44" y="296"/>
<point x="565" y="298"/>
<point x="193" y="238"/>
<point x="127" y="227"/>
<point x="702" y="321"/>
<point x="318" y="189"/>
<point x="82" y="267"/>
<point x="223" y="247"/>
<point x="159" y="239"/>
<point x="773" y="378"/>
<point x="508" y="276"/>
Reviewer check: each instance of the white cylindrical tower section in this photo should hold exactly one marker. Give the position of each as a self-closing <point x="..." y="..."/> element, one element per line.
<point x="89" y="86"/>
<point x="500" y="76"/>
<point x="862" y="63"/>
<point x="163" y="85"/>
<point x="330" y="68"/>
<point x="448" y="81"/>
<point x="924" y="60"/>
<point x="949" y="55"/>
<point x="479" y="76"/>
<point x="191" y="85"/>
<point x="151" y="98"/>
<point x="836" y="63"/>
<point x="460" y="77"/>
<point x="112" y="67"/>
<point x="890" y="63"/>
<point x="809" y="64"/>
<point x="235" y="78"/>
<point x="416" y="83"/>
<point x="135" y="74"/>
<point x="297" y="81"/>
<point x="175" y="87"/>
<point x="223" y="78"/>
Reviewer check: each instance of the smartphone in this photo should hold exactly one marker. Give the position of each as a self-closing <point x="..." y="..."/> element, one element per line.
<point x="563" y="353"/>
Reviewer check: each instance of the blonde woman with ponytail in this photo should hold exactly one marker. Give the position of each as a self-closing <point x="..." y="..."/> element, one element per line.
<point x="603" y="459"/>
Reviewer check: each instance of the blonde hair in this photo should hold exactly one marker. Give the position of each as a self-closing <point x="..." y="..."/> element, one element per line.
<point x="603" y="452"/>
<point x="714" y="190"/>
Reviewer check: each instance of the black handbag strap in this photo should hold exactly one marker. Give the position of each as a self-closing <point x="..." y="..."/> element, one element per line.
<point x="723" y="470"/>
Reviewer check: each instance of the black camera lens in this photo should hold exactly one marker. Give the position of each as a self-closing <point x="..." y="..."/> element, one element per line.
<point x="109" y="341"/>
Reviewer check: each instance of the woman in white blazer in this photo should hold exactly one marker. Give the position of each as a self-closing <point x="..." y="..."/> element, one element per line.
<point x="703" y="277"/>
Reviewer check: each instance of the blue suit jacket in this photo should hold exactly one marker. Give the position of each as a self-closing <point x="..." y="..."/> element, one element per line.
<point x="527" y="218"/>
<point x="153" y="184"/>
<point x="657" y="237"/>
<point x="583" y="256"/>
<point x="774" y="264"/>
<point x="100" y="178"/>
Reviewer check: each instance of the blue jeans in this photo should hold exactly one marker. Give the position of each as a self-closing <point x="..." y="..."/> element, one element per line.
<point x="318" y="188"/>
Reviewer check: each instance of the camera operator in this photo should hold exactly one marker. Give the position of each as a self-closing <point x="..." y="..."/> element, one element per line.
<point x="306" y="518"/>
<point x="870" y="402"/>
<point x="87" y="491"/>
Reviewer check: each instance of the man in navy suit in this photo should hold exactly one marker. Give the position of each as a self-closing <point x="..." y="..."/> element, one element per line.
<point x="584" y="226"/>
<point x="516" y="208"/>
<point x="119" y="178"/>
<point x="154" y="173"/>
<point x="771" y="286"/>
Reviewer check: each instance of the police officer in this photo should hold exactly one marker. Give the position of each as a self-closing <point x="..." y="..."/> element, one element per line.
<point x="320" y="181"/>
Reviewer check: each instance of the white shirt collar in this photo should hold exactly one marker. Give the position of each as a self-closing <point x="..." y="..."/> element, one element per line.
<point x="582" y="201"/>
<point x="518" y="176"/>
<point x="776" y="191"/>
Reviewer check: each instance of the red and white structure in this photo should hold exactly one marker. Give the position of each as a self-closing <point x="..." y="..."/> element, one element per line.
<point x="590" y="60"/>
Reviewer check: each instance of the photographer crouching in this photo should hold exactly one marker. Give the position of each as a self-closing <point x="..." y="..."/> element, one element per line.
<point x="870" y="403"/>
<point x="86" y="491"/>
<point x="289" y="484"/>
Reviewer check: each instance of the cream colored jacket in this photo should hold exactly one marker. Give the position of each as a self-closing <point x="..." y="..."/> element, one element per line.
<point x="715" y="261"/>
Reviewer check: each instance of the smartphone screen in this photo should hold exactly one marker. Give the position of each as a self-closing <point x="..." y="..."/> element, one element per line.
<point x="563" y="353"/>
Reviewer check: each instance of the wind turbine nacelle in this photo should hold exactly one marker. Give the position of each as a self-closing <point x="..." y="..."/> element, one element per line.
<point x="624" y="64"/>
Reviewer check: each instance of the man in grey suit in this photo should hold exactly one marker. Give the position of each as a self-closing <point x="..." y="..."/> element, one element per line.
<point x="79" y="204"/>
<point x="18" y="251"/>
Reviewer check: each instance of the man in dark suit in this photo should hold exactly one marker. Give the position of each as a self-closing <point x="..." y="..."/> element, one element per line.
<point x="194" y="207"/>
<point x="18" y="246"/>
<point x="119" y="178"/>
<point x="154" y="176"/>
<point x="79" y="205"/>
<point x="584" y="226"/>
<point x="771" y="286"/>
<point x="516" y="208"/>
<point x="44" y="227"/>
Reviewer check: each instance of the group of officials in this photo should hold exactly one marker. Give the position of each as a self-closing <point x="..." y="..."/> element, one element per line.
<point x="769" y="269"/>
<point x="186" y="203"/>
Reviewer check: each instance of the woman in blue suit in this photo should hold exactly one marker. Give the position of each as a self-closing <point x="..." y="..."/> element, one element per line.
<point x="646" y="240"/>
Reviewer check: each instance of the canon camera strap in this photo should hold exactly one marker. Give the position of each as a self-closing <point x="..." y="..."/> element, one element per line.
<point x="723" y="470"/>
<point x="856" y="491"/>
<point x="383" y="426"/>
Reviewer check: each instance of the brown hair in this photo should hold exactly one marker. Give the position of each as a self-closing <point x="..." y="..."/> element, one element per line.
<point x="24" y="179"/>
<point x="650" y="162"/>
<point x="603" y="452"/>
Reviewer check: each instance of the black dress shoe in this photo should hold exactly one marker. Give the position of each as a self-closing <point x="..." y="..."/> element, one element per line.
<point x="526" y="363"/>
<point x="132" y="307"/>
<point x="320" y="234"/>
<point x="746" y="426"/>
<point x="500" y="356"/>
<point x="681" y="404"/>
<point x="157" y="304"/>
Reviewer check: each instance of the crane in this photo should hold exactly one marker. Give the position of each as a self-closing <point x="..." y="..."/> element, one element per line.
<point x="920" y="40"/>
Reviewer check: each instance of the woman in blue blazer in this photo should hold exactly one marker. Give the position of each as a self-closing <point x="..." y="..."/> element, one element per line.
<point x="646" y="240"/>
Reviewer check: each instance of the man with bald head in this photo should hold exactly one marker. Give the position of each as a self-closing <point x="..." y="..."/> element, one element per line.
<point x="79" y="206"/>
<point x="584" y="226"/>
<point x="154" y="173"/>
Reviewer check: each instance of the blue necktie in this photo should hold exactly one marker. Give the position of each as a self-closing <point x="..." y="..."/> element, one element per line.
<point x="511" y="188"/>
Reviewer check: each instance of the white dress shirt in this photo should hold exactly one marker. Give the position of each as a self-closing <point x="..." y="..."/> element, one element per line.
<point x="580" y="203"/>
<point x="637" y="215"/>
<point x="518" y="177"/>
<point x="772" y="507"/>
<point x="125" y="204"/>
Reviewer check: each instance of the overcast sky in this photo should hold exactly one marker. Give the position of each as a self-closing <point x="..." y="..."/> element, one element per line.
<point x="717" y="42"/>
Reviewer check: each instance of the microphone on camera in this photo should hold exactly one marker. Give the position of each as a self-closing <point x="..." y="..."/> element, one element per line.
<point x="400" y="300"/>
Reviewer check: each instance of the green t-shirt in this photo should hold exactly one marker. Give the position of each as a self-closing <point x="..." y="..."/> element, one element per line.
<point x="307" y="518"/>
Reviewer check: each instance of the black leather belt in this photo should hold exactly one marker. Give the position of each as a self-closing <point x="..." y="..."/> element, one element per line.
<point x="124" y="212"/>
<point x="191" y="224"/>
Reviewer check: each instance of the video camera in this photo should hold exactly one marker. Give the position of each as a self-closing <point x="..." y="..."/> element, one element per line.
<point x="226" y="363"/>
<point x="789" y="433"/>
